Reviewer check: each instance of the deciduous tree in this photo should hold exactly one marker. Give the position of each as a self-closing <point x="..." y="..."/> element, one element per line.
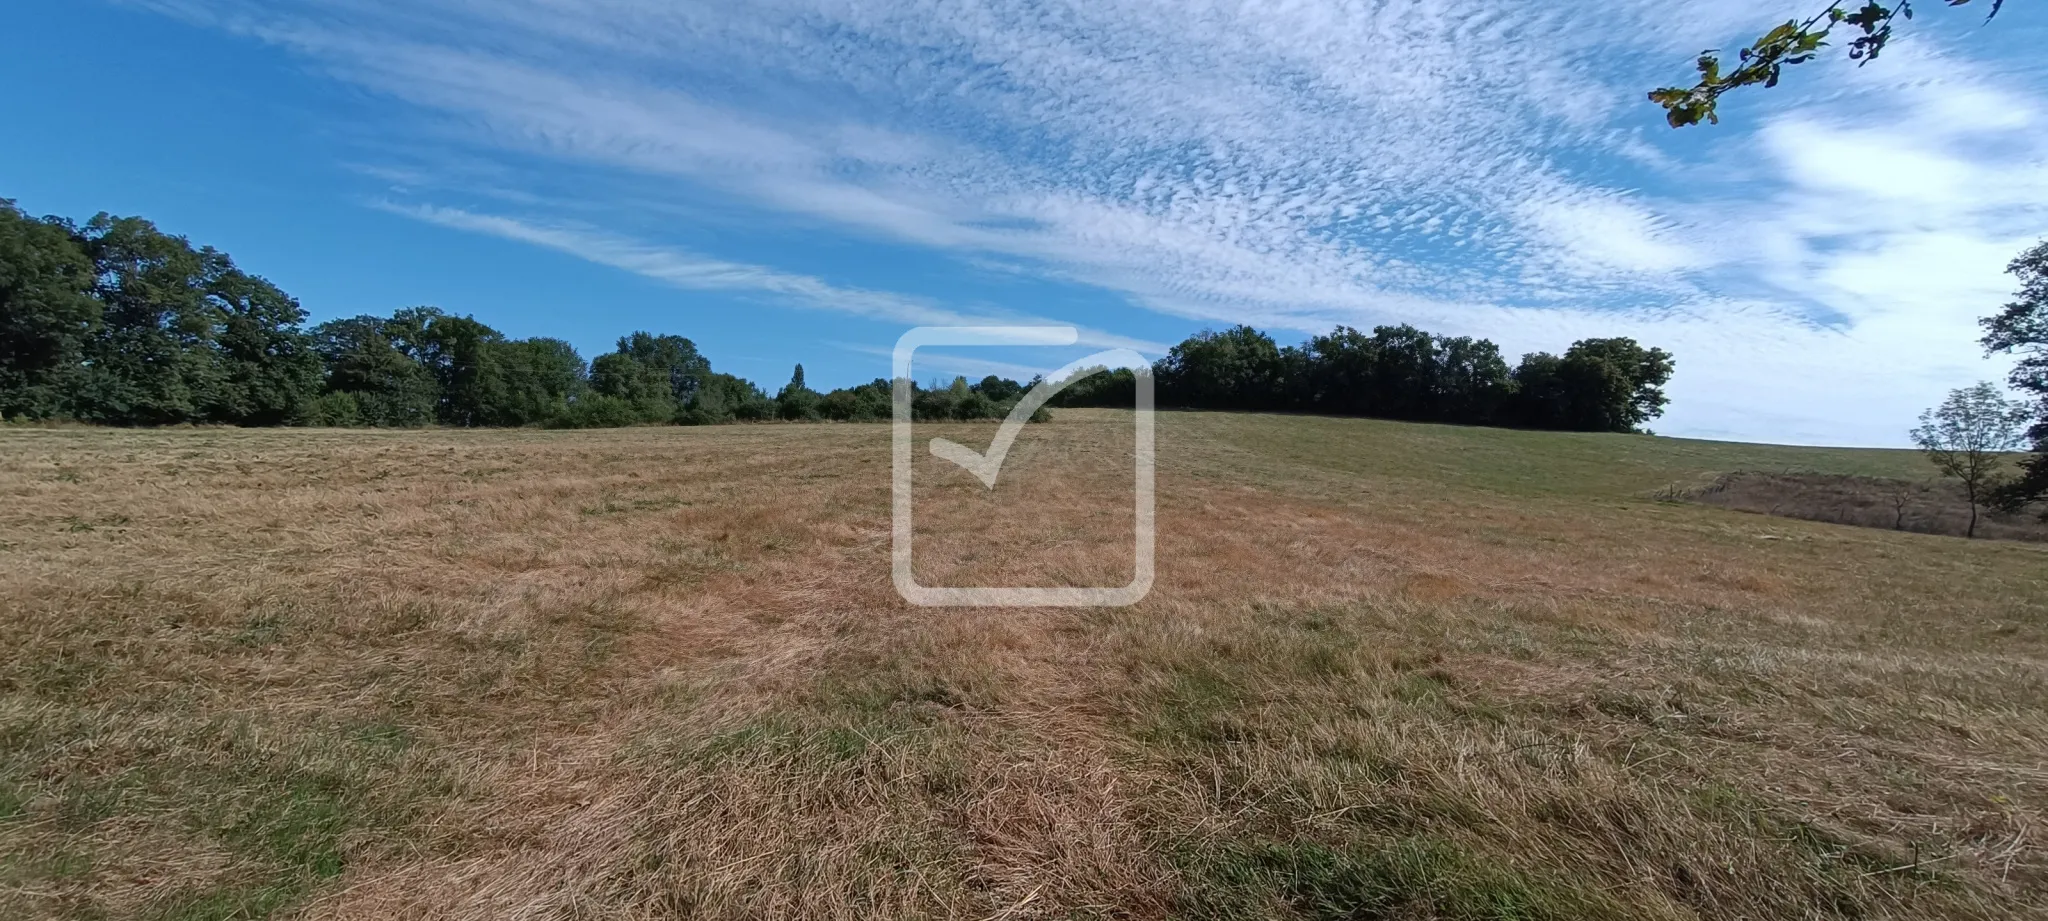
<point x="538" y="379"/>
<point x="47" y="314"/>
<point x="385" y="384"/>
<point x="2021" y="329"/>
<point x="797" y="401"/>
<point x="268" y="367"/>
<point x="657" y="374"/>
<point x="1238" y="368"/>
<point x="1967" y="437"/>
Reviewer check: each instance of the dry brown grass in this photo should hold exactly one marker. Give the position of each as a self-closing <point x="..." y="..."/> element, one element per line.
<point x="1387" y="671"/>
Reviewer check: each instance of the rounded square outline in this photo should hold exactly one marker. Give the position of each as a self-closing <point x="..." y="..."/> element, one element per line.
<point x="1145" y="502"/>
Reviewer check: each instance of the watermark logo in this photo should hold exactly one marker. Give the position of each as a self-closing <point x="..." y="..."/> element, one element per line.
<point x="987" y="466"/>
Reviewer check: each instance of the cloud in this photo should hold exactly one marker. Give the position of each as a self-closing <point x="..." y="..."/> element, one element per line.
<point x="928" y="360"/>
<point x="1609" y="235"/>
<point x="1483" y="169"/>
<point x="687" y="270"/>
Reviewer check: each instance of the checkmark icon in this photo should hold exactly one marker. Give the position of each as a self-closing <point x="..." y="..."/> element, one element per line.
<point x="987" y="466"/>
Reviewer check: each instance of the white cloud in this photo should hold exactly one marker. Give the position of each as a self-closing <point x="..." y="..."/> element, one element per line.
<point x="928" y="362"/>
<point x="1476" y="168"/>
<point x="1600" y="235"/>
<point x="688" y="270"/>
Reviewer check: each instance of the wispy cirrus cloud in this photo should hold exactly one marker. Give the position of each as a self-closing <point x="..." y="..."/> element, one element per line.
<point x="928" y="361"/>
<point x="684" y="269"/>
<point x="1485" y="169"/>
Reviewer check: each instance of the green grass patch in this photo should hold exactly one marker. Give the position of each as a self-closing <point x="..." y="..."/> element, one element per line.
<point x="1417" y="877"/>
<point x="1529" y="463"/>
<point x="290" y="806"/>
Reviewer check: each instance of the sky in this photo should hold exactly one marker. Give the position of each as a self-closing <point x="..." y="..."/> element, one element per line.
<point x="791" y="181"/>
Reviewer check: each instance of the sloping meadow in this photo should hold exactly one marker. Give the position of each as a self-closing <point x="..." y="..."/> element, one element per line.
<point x="1387" y="671"/>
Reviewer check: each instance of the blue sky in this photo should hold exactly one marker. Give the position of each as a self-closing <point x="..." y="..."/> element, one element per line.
<point x="803" y="180"/>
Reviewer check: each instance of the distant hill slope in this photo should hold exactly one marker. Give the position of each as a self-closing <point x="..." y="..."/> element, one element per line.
<point x="1528" y="462"/>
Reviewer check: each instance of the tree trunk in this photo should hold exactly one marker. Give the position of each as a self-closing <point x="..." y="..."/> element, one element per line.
<point x="1973" y="516"/>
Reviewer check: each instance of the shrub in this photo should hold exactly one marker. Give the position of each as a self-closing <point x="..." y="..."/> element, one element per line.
<point x="976" y="406"/>
<point x="332" y="410"/>
<point x="598" y="411"/>
<point x="933" y="404"/>
<point x="799" y="405"/>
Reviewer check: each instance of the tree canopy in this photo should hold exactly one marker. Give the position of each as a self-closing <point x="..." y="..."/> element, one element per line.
<point x="1967" y="438"/>
<point x="1793" y="42"/>
<point x="1401" y="372"/>
<point x="48" y="315"/>
<point x="116" y="322"/>
<point x="2021" y="328"/>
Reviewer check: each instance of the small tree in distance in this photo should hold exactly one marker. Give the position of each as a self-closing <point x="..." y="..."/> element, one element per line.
<point x="798" y="402"/>
<point x="1967" y="436"/>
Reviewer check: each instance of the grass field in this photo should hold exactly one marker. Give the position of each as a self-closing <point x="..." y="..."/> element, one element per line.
<point x="1387" y="671"/>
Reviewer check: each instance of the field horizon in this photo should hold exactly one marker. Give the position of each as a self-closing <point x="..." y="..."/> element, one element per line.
<point x="1387" y="670"/>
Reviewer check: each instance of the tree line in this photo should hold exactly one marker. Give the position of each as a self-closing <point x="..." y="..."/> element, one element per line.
<point x="1400" y="372"/>
<point x="116" y="322"/>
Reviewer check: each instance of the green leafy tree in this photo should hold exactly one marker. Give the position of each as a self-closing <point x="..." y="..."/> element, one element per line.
<point x="869" y="402"/>
<point x="616" y="376"/>
<point x="151" y="363"/>
<point x="186" y="336"/>
<point x="1968" y="436"/>
<point x="724" y="398"/>
<point x="538" y="380"/>
<point x="1794" y="42"/>
<point x="973" y="404"/>
<point x="1405" y="374"/>
<point x="797" y="401"/>
<point x="657" y="374"/>
<point x="1620" y="383"/>
<point x="1473" y="380"/>
<point x="594" y="410"/>
<point x="464" y="357"/>
<point x="1398" y="372"/>
<point x="1339" y="375"/>
<point x="422" y="366"/>
<point x="120" y="323"/>
<point x="1542" y="395"/>
<point x="2021" y="329"/>
<point x="935" y="402"/>
<point x="335" y="409"/>
<point x="48" y="315"/>
<point x="385" y="385"/>
<point x="839" y="405"/>
<point x="268" y="366"/>
<point x="1598" y="385"/>
<point x="1098" y="386"/>
<point x="1239" y="368"/>
<point x="591" y="410"/>
<point x="479" y="377"/>
<point x="999" y="389"/>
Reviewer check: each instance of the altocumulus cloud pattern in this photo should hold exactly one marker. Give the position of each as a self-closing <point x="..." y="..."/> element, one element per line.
<point x="1473" y="168"/>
